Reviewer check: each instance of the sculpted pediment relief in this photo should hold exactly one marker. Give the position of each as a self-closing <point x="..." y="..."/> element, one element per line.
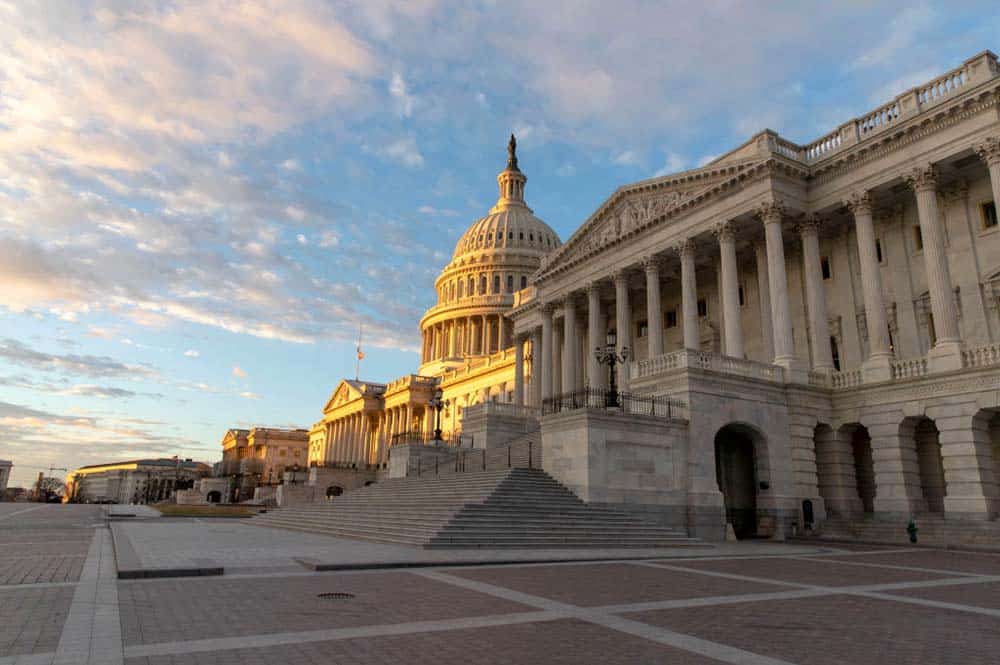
<point x="344" y="393"/>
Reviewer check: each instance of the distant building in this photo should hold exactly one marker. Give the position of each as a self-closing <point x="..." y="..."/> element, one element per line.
<point x="262" y="456"/>
<point x="5" y="468"/>
<point x="133" y="481"/>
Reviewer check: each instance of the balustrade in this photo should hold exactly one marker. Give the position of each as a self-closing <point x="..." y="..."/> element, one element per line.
<point x="908" y="369"/>
<point x="983" y="356"/>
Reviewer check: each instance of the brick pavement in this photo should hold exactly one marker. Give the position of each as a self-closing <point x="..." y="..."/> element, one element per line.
<point x="31" y="620"/>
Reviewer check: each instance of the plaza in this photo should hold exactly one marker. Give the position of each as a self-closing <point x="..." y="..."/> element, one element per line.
<point x="765" y="603"/>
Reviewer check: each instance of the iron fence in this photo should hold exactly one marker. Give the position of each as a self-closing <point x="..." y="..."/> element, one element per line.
<point x="619" y="402"/>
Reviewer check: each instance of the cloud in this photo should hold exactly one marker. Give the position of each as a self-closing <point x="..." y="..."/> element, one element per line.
<point x="249" y="395"/>
<point x="18" y="353"/>
<point x="437" y="212"/>
<point x="626" y="158"/>
<point x="239" y="372"/>
<point x="674" y="164"/>
<point x="403" y="151"/>
<point x="191" y="353"/>
<point x="398" y="90"/>
<point x="901" y="33"/>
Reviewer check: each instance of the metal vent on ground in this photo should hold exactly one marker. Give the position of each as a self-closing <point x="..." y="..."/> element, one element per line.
<point x="335" y="595"/>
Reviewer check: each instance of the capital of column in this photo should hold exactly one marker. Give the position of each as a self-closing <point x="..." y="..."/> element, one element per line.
<point x="859" y="202"/>
<point x="547" y="308"/>
<point x="594" y="287"/>
<point x="724" y="231"/>
<point x="771" y="212"/>
<point x="989" y="151"/>
<point x="651" y="263"/>
<point x="922" y="178"/>
<point x="684" y="247"/>
<point x="620" y="277"/>
<point x="809" y="225"/>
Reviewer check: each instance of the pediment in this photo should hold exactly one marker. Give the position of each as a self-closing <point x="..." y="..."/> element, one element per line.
<point x="344" y="393"/>
<point x="634" y="208"/>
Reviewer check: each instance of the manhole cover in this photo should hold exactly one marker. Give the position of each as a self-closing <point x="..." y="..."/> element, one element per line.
<point x="335" y="595"/>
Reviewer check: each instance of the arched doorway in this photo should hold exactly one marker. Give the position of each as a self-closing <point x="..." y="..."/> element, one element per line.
<point x="930" y="463"/>
<point x="332" y="491"/>
<point x="735" y="471"/>
<point x="215" y="496"/>
<point x="864" y="467"/>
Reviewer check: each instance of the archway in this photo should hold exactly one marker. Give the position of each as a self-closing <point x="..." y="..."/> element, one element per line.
<point x="930" y="464"/>
<point x="864" y="467"/>
<point x="333" y="490"/>
<point x="735" y="471"/>
<point x="215" y="496"/>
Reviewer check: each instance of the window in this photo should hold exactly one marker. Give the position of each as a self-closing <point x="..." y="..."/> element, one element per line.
<point x="743" y="300"/>
<point x="524" y="281"/>
<point x="460" y="285"/>
<point x="510" y="235"/>
<point x="496" y="283"/>
<point x="472" y="286"/>
<point x="531" y="237"/>
<point x="510" y="283"/>
<point x="878" y="250"/>
<point x="988" y="211"/>
<point x="482" y="285"/>
<point x="643" y="329"/>
<point x="824" y="266"/>
<point x="672" y="318"/>
<point x="918" y="239"/>
<point x="702" y="307"/>
<point x="520" y="235"/>
<point x="835" y="351"/>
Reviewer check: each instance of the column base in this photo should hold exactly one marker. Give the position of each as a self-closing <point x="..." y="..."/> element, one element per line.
<point x="944" y="357"/>
<point x="877" y="369"/>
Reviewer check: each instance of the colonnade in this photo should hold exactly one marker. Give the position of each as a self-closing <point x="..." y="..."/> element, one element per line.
<point x="776" y="321"/>
<point x="479" y="334"/>
<point x="365" y="437"/>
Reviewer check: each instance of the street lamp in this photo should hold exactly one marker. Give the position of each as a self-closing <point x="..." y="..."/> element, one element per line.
<point x="437" y="403"/>
<point x="610" y="356"/>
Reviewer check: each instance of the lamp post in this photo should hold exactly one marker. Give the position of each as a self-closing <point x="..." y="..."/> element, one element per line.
<point x="437" y="403"/>
<point x="608" y="355"/>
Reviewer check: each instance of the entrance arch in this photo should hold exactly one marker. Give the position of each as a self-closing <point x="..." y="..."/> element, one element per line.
<point x="922" y="434"/>
<point x="736" y="449"/>
<point x="215" y="496"/>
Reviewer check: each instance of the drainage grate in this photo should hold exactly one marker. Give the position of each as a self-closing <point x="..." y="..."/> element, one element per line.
<point x="335" y="595"/>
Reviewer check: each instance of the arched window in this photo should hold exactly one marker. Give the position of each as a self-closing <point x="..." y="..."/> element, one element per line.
<point x="482" y="285"/>
<point x="524" y="281"/>
<point x="496" y="283"/>
<point x="510" y="283"/>
<point x="472" y="285"/>
<point x="460" y="285"/>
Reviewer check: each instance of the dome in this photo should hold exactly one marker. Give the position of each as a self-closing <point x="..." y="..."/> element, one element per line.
<point x="493" y="260"/>
<point x="510" y="223"/>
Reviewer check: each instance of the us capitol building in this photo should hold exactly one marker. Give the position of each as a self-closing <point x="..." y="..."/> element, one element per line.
<point x="810" y="332"/>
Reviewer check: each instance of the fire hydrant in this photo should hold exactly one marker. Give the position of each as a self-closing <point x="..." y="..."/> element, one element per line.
<point x="911" y="529"/>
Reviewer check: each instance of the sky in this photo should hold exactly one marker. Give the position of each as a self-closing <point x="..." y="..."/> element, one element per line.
<point x="201" y="202"/>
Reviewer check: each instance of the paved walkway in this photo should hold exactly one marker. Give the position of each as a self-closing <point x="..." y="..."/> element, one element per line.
<point x="770" y="605"/>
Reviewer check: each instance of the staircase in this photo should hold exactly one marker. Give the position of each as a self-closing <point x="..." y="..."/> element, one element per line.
<point x="512" y="508"/>
<point x="932" y="529"/>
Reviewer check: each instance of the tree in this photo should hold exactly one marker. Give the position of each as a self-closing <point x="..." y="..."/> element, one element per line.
<point x="50" y="487"/>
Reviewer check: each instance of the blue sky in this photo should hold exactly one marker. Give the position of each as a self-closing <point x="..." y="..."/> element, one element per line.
<point x="201" y="202"/>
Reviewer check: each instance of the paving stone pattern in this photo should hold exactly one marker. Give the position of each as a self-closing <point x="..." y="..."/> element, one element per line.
<point x="561" y="642"/>
<point x="31" y="620"/>
<point x="195" y="608"/>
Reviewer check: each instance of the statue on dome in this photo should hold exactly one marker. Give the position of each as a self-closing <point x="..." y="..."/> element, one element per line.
<point x="512" y="154"/>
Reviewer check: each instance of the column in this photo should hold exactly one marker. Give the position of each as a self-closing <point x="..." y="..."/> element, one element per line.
<point x="946" y="353"/>
<point x="569" y="344"/>
<point x="784" y="350"/>
<point x="501" y="330"/>
<point x="876" y="367"/>
<point x="595" y="375"/>
<point x="654" y="312"/>
<point x="819" y="329"/>
<point x="623" y="321"/>
<point x="989" y="151"/>
<point x="536" y="368"/>
<point x="453" y="341"/>
<point x="730" y="282"/>
<point x="547" y="344"/>
<point x="689" y="294"/>
<point x="764" y="295"/>
<point x="519" y="370"/>
<point x="486" y="336"/>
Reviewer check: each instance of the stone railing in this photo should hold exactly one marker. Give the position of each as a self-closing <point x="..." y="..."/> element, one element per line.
<point x="848" y="379"/>
<point x="972" y="72"/>
<point x="820" y="379"/>
<point x="983" y="356"/>
<point x="909" y="369"/>
<point x="502" y="409"/>
<point x="713" y="362"/>
<point x="469" y="302"/>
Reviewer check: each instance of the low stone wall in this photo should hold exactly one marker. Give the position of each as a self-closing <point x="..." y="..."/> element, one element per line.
<point x="491" y="424"/>
<point x="630" y="462"/>
<point x="413" y="458"/>
<point x="295" y="495"/>
<point x="324" y="478"/>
